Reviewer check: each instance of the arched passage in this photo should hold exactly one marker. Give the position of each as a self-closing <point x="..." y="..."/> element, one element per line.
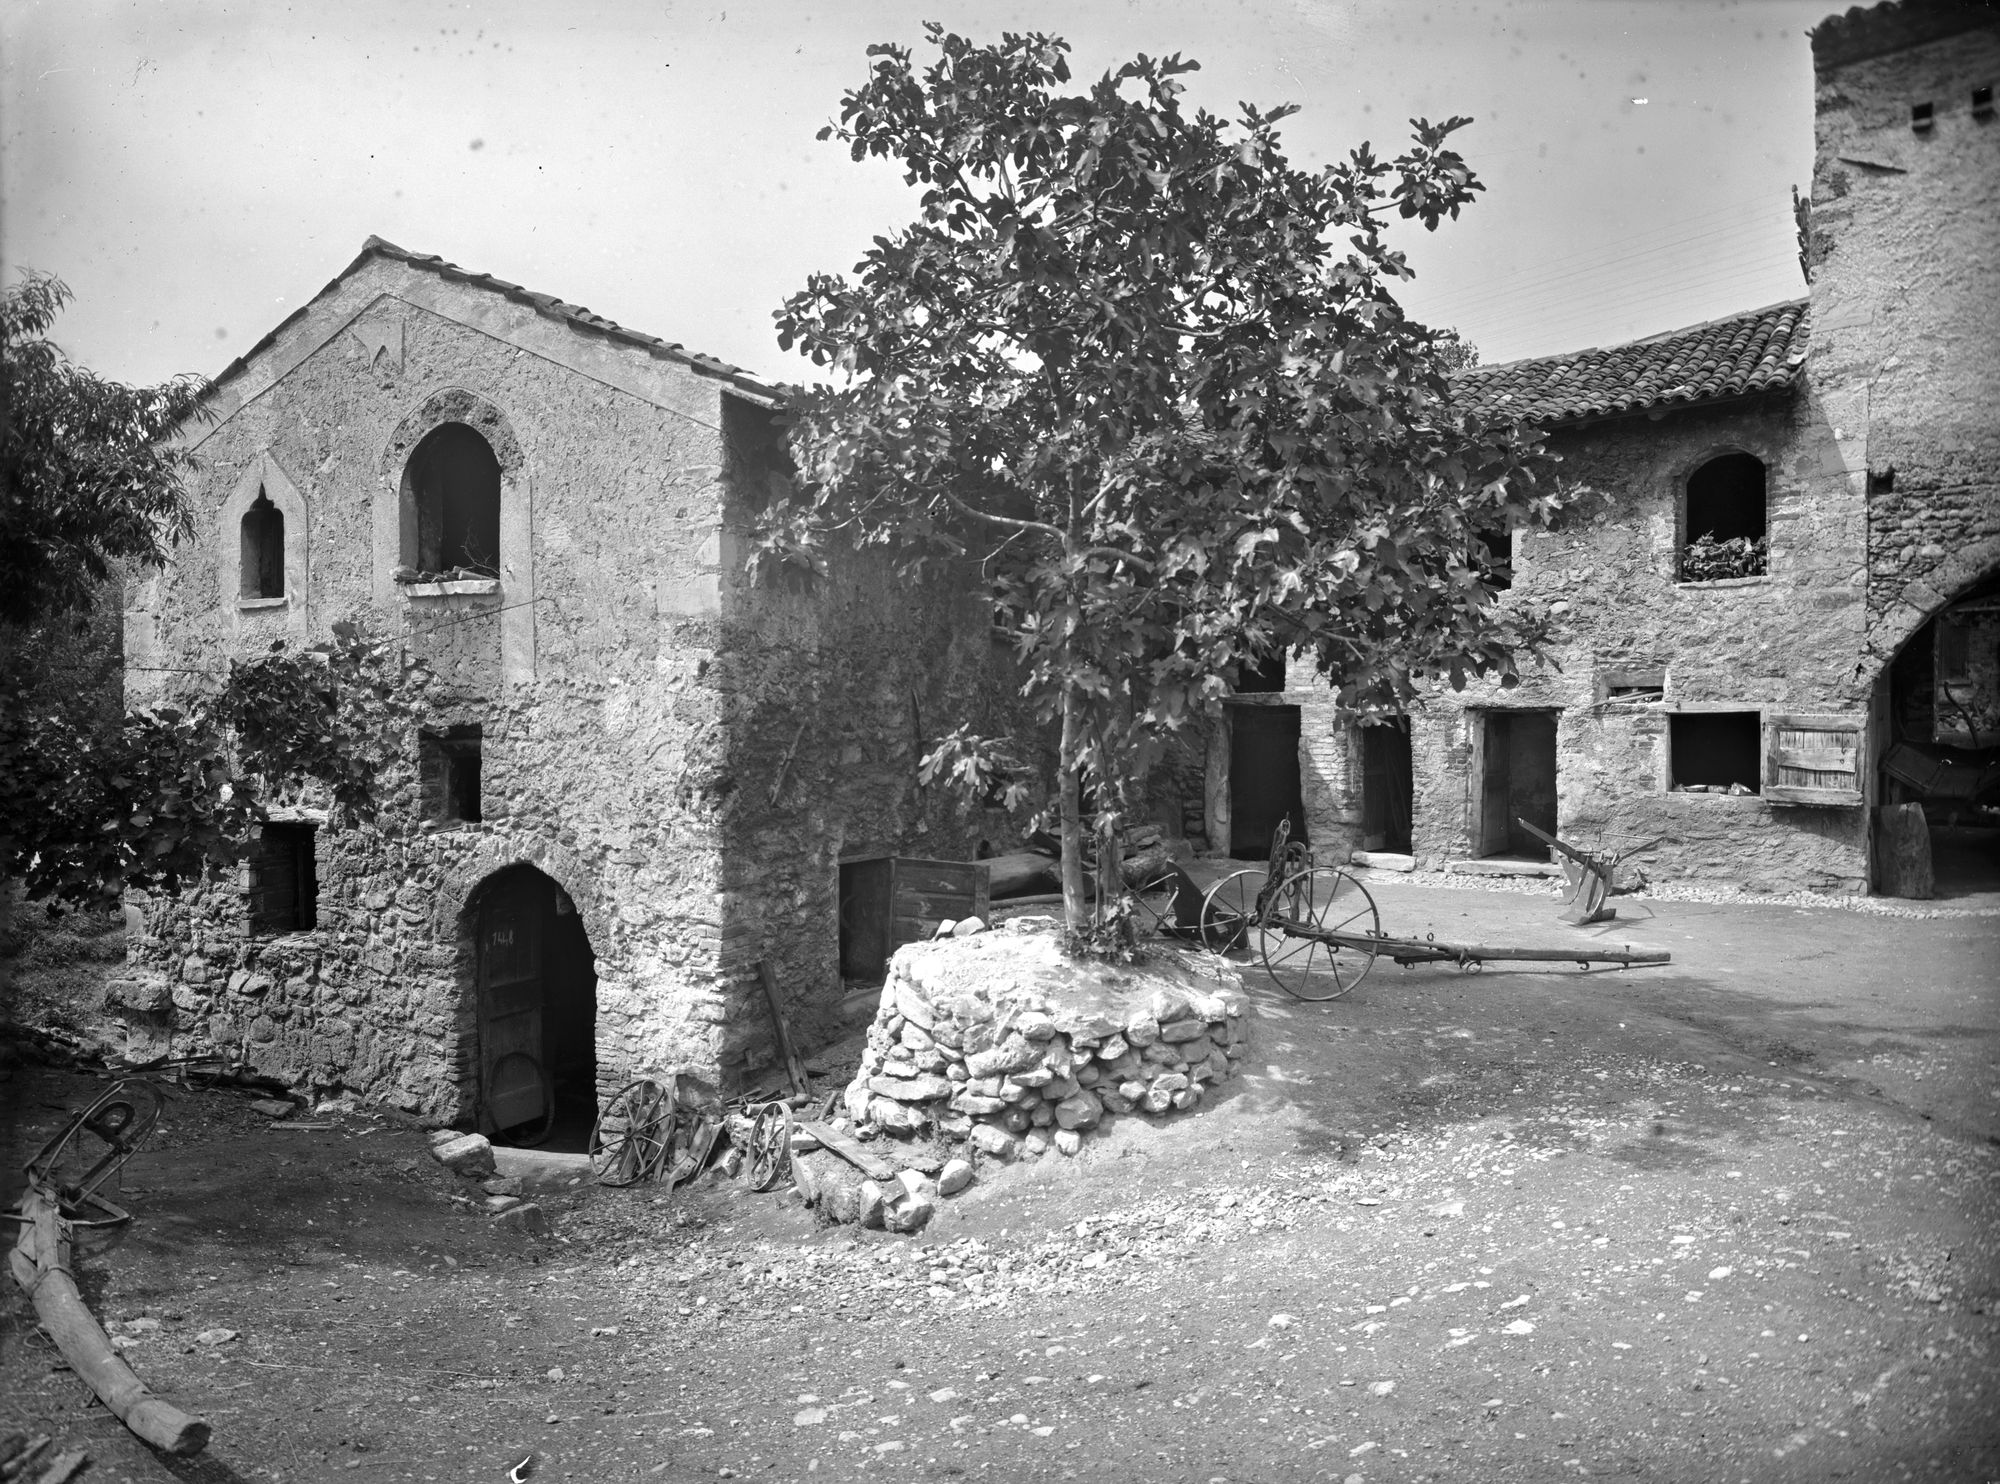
<point x="1938" y="717"/>
<point x="534" y="980"/>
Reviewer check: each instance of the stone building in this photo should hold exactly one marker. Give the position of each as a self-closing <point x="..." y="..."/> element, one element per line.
<point x="1740" y="710"/>
<point x="639" y="776"/>
<point x="641" y="779"/>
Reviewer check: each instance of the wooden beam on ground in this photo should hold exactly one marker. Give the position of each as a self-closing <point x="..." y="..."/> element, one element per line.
<point x="848" y="1149"/>
<point x="40" y="1261"/>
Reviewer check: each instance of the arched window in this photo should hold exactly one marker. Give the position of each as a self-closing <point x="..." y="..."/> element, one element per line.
<point x="1724" y="529"/>
<point x="263" y="549"/>
<point x="454" y="487"/>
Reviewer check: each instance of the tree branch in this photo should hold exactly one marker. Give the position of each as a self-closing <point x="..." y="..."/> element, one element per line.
<point x="1008" y="521"/>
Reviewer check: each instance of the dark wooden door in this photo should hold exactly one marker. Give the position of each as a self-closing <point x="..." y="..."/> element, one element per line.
<point x="1496" y="826"/>
<point x="512" y="1002"/>
<point x="1263" y="778"/>
<point x="1388" y="790"/>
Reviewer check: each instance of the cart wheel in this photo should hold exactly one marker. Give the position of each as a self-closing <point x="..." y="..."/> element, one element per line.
<point x="527" y="1135"/>
<point x="633" y="1134"/>
<point x="96" y="1142"/>
<point x="1295" y="938"/>
<point x="770" y="1145"/>
<point x="1227" y="910"/>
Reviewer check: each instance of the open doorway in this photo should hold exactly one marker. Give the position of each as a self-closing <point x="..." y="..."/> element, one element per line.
<point x="1938" y="827"/>
<point x="537" y="999"/>
<point x="1388" y="787"/>
<point x="1263" y="778"/>
<point x="1514" y="763"/>
<point x="867" y="902"/>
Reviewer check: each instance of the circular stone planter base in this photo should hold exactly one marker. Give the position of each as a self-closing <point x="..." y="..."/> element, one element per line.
<point x="996" y="1047"/>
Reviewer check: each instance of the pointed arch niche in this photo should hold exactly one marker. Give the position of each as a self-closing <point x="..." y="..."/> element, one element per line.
<point x="262" y="542"/>
<point x="399" y="520"/>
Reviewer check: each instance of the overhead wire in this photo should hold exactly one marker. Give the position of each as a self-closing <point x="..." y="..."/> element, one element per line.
<point x="1606" y="255"/>
<point x="1659" y="289"/>
<point x="381" y="643"/>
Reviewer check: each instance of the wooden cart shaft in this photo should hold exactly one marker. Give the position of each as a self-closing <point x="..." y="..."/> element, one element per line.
<point x="1424" y="950"/>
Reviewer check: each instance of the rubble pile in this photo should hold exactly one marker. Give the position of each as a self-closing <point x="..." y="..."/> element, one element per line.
<point x="998" y="1045"/>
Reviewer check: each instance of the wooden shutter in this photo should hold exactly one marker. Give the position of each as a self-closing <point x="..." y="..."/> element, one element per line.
<point x="927" y="892"/>
<point x="1814" y="759"/>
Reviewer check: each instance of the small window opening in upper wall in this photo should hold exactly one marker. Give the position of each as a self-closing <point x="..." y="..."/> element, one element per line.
<point x="284" y="880"/>
<point x="1495" y="555"/>
<point x="455" y="485"/>
<point x="754" y="442"/>
<point x="1261" y="677"/>
<point x="448" y="774"/>
<point x="1982" y="101"/>
<point x="1724" y="520"/>
<point x="263" y="550"/>
<point x="1922" y="117"/>
<point x="1882" y="481"/>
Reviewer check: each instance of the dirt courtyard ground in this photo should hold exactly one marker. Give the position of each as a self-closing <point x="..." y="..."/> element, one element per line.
<point x="1729" y="1220"/>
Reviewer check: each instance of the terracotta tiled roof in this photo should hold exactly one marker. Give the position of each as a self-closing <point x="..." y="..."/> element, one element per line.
<point x="1748" y="353"/>
<point x="546" y="304"/>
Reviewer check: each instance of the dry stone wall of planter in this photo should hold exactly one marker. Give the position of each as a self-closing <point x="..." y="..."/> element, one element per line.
<point x="997" y="1047"/>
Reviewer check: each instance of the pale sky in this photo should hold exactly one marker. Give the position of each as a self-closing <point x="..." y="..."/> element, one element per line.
<point x="197" y="169"/>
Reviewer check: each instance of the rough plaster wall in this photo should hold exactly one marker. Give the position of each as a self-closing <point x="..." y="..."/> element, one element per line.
<point x="1906" y="316"/>
<point x="602" y="769"/>
<point x="1785" y="642"/>
<point x="834" y="693"/>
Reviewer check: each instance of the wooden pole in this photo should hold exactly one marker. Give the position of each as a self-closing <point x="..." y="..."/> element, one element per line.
<point x="40" y="1261"/>
<point x="794" y="1068"/>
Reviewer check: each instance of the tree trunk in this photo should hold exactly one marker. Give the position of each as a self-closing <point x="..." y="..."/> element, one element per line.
<point x="1110" y="875"/>
<point x="1076" y="906"/>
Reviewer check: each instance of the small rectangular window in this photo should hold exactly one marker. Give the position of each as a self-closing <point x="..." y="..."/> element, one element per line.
<point x="1716" y="751"/>
<point x="448" y="774"/>
<point x="1261" y="677"/>
<point x="1633" y="685"/>
<point x="1982" y="101"/>
<point x="284" y="880"/>
<point x="1922" y="117"/>
<point x="1495" y="553"/>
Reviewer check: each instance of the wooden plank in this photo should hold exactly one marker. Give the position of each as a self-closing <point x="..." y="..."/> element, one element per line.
<point x="949" y="877"/>
<point x="1827" y="798"/>
<point x="1819" y="723"/>
<point x="1813" y="760"/>
<point x="794" y="1068"/>
<point x="848" y="1149"/>
<point x="1903" y="852"/>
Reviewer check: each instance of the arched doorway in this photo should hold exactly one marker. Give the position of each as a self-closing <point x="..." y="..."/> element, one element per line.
<point x="1938" y="828"/>
<point x="535" y="987"/>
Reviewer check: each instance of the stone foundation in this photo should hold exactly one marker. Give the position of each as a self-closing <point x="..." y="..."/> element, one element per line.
<point x="999" y="1043"/>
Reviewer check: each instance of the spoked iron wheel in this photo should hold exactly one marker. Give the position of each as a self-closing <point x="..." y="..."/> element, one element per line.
<point x="96" y="1143"/>
<point x="1309" y="904"/>
<point x="1229" y="909"/>
<point x="633" y="1134"/>
<point x="770" y="1145"/>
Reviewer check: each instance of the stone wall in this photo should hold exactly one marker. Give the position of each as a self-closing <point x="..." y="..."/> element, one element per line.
<point x="1906" y="298"/>
<point x="997" y="1041"/>
<point x="684" y="756"/>
<point x="1781" y="643"/>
